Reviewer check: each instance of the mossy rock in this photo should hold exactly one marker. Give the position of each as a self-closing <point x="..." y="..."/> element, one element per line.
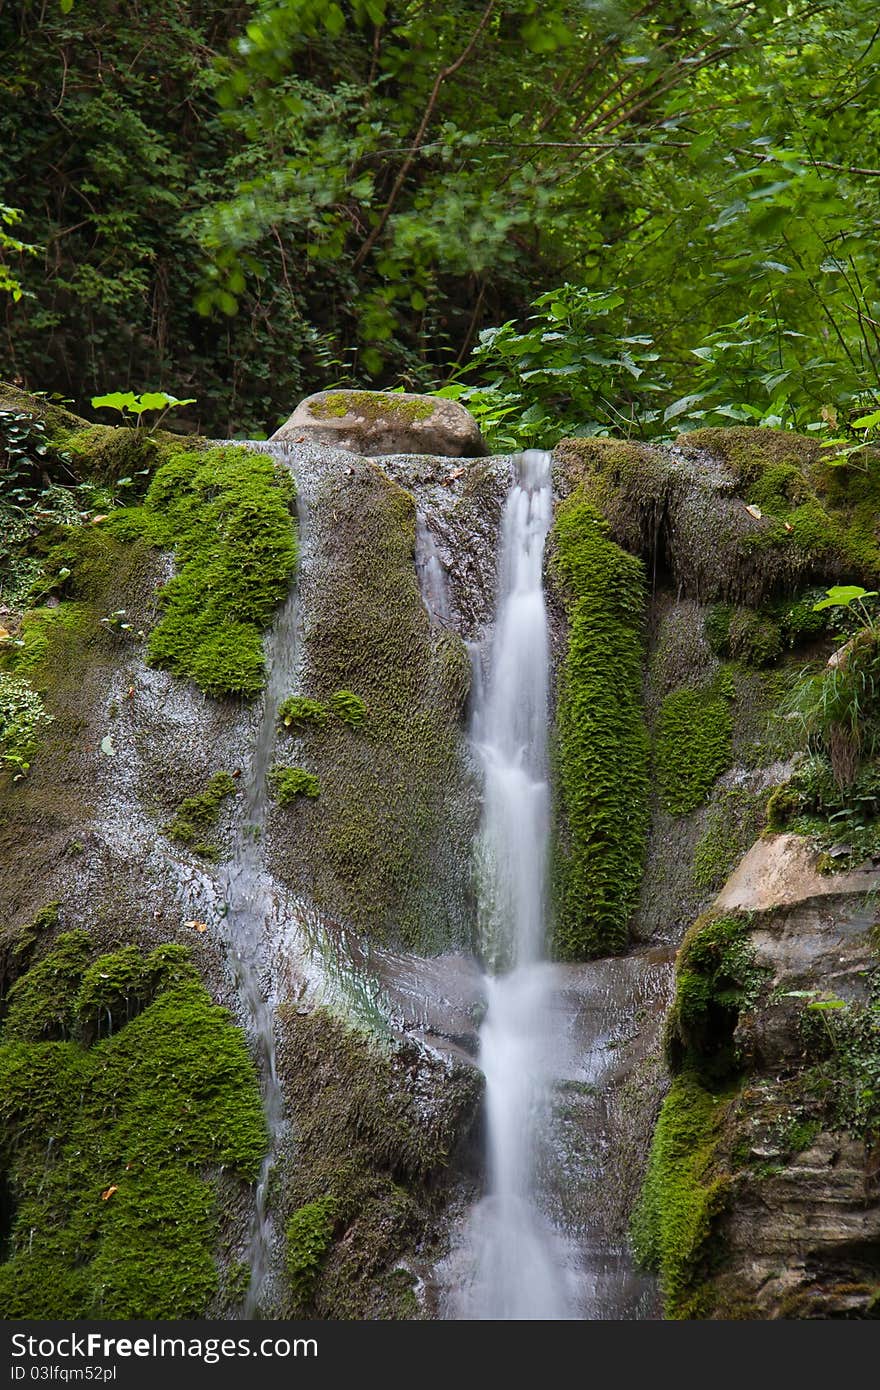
<point x="118" y="1216"/>
<point x="685" y="510"/>
<point x="377" y="1125"/>
<point x="716" y="979"/>
<point x="373" y="423"/>
<point x="386" y="845"/>
<point x="59" y="421"/>
<point x="600" y="740"/>
<point x="228" y="515"/>
<point x="675" y="1225"/>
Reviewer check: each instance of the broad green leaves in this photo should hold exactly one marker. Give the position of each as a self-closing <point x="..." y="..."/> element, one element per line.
<point x="127" y="403"/>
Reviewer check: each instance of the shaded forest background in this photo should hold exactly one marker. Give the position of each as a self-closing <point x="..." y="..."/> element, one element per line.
<point x="601" y="217"/>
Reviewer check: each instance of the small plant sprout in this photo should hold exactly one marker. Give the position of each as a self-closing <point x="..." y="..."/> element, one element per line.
<point x="128" y="404"/>
<point x="847" y="595"/>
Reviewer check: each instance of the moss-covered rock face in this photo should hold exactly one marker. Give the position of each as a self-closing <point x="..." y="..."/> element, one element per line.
<point x="759" y="1200"/>
<point x="227" y="514"/>
<point x="683" y="1193"/>
<point x="376" y="1127"/>
<point x="123" y="1089"/>
<point x="734" y="515"/>
<point x="693" y="742"/>
<point x="600" y="744"/>
<point x="386" y="845"/>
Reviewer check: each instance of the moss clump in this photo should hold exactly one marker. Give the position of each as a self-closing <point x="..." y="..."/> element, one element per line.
<point x="308" y="1234"/>
<point x="372" y="405"/>
<point x="38" y="629"/>
<point x="683" y="1193"/>
<point x="693" y="742"/>
<point x="227" y="514"/>
<point x="601" y="744"/>
<point x="299" y="713"/>
<point x="197" y="815"/>
<point x="111" y="454"/>
<point x="348" y="707"/>
<point x="108" y="1147"/>
<point x="716" y="978"/>
<point x="18" y="943"/>
<point x="743" y="634"/>
<point x="288" y="783"/>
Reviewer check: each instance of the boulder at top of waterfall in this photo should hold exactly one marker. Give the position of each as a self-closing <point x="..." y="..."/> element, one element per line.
<point x="372" y="423"/>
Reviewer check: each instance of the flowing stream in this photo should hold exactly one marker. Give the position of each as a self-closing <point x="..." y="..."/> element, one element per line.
<point x="515" y="1256"/>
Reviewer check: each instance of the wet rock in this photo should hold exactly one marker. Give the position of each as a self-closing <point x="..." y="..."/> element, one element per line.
<point x="373" y="423"/>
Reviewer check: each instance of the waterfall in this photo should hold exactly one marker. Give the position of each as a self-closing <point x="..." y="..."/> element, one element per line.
<point x="514" y="1257"/>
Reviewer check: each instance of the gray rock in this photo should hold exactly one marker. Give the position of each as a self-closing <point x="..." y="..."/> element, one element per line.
<point x="374" y="423"/>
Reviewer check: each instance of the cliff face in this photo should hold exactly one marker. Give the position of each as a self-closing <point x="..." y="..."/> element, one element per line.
<point x="760" y="1198"/>
<point x="278" y="819"/>
<point x="221" y="789"/>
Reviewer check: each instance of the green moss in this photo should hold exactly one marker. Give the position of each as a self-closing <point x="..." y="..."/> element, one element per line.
<point x="288" y="783"/>
<point x="734" y="824"/>
<point x="197" y="815"/>
<point x="109" y="453"/>
<point x="348" y="707"/>
<point x="600" y="751"/>
<point x="41" y="1004"/>
<point x="18" y="943"/>
<point x="693" y="742"/>
<point x="674" y="1225"/>
<point x="38" y="626"/>
<point x="109" y="1148"/>
<point x="751" y="452"/>
<point x="308" y="1234"/>
<point x="374" y="1134"/>
<point x="227" y="515"/>
<point x="383" y="845"/>
<point x="372" y="405"/>
<point x="299" y="713"/>
<point x="743" y="634"/>
<point x="715" y="979"/>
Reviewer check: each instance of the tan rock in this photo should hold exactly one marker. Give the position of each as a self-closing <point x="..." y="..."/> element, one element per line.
<point x="374" y="423"/>
<point x="781" y="870"/>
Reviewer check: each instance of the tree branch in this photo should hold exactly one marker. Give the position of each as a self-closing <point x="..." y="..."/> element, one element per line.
<point x="420" y="135"/>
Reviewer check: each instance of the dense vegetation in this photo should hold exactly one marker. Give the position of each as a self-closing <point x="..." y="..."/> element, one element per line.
<point x="241" y="202"/>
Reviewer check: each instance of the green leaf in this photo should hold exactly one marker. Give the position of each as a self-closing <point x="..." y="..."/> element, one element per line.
<point x="116" y="400"/>
<point x="842" y="595"/>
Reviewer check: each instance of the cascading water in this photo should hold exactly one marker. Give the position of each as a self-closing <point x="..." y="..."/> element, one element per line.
<point x="245" y="902"/>
<point x="514" y="1257"/>
<point x="249" y="899"/>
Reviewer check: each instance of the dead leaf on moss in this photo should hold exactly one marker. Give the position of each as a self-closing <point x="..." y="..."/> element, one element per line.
<point x="108" y="1192"/>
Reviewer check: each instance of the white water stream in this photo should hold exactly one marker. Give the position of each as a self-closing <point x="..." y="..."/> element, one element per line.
<point x="514" y="1259"/>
